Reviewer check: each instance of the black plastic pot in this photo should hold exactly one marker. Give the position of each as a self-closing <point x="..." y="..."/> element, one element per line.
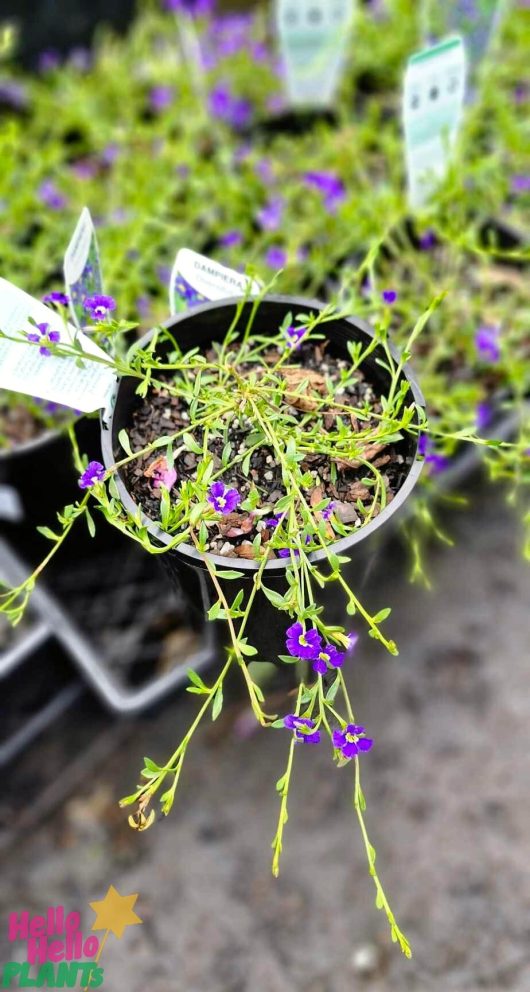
<point x="43" y="475"/>
<point x="210" y="322"/>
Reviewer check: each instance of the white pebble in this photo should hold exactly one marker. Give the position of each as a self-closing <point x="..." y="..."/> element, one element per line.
<point x="269" y="476"/>
<point x="365" y="960"/>
<point x="226" y="548"/>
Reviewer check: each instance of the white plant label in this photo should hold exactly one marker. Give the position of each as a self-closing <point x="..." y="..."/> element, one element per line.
<point x="82" y="268"/>
<point x="58" y="379"/>
<point x="197" y="279"/>
<point x="314" y="37"/>
<point x="433" y="105"/>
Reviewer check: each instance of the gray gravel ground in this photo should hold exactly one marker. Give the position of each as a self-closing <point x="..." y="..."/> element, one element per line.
<point x="448" y="810"/>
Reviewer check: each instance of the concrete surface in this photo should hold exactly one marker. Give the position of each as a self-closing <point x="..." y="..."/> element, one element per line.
<point x="448" y="811"/>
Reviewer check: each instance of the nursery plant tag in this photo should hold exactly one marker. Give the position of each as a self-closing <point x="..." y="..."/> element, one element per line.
<point x="33" y="370"/>
<point x="477" y="21"/>
<point x="314" y="36"/>
<point x="82" y="268"/>
<point x="197" y="279"/>
<point x="432" y="112"/>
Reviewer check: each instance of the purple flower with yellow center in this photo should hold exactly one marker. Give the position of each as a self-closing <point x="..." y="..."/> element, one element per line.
<point x="327" y="657"/>
<point x="389" y="296"/>
<point x="302" y="643"/>
<point x="487" y="343"/>
<point x="270" y="216"/>
<point x="276" y="257"/>
<point x="351" y="741"/>
<point x="93" y="473"/>
<point x="44" y="337"/>
<point x="305" y="731"/>
<point x="99" y="306"/>
<point x="329" y="185"/>
<point x="61" y="299"/>
<point x="51" y="196"/>
<point x="222" y="499"/>
<point x="160" y="98"/>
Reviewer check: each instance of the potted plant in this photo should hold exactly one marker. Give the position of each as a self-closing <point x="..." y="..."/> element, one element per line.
<point x="258" y="446"/>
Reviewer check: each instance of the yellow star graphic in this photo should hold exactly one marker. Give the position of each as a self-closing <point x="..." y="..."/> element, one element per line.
<point x="115" y="912"/>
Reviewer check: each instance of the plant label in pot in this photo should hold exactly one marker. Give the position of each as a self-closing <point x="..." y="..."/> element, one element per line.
<point x="433" y="104"/>
<point x="82" y="268"/>
<point x="197" y="279"/>
<point x="314" y="37"/>
<point x="30" y="333"/>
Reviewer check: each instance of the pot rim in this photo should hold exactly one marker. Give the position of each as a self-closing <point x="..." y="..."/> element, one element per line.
<point x="188" y="552"/>
<point x="18" y="450"/>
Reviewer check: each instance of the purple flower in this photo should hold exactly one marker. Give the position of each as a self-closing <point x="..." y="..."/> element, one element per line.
<point x="80" y="59"/>
<point x="231" y="239"/>
<point x="51" y="196"/>
<point x="329" y="185"/>
<point x="352" y="639"/>
<point x="302" y="643"/>
<point x="229" y="108"/>
<point x="328" y="511"/>
<point x="199" y="8"/>
<point x="56" y="297"/>
<point x="44" y="337"/>
<point x="48" y="60"/>
<point x="222" y="499"/>
<point x="13" y="94"/>
<point x="272" y="522"/>
<point x="109" y="154"/>
<point x="270" y="216"/>
<point x="487" y="343"/>
<point x="93" y="473"/>
<point x="427" y="240"/>
<point x="327" y="657"/>
<point x="389" y="296"/>
<point x="437" y="462"/>
<point x="287" y="552"/>
<point x="295" y="336"/>
<point x="160" y="98"/>
<point x="351" y="741"/>
<point x="483" y="416"/>
<point x="304" y="729"/>
<point x="263" y="169"/>
<point x="520" y="184"/>
<point x="84" y="169"/>
<point x="99" y="306"/>
<point x="276" y="257"/>
<point x="520" y="94"/>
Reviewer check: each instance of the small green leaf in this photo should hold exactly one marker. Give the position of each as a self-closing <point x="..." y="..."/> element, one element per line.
<point x="217" y="703"/>
<point x="230" y="574"/>
<point x="123" y="438"/>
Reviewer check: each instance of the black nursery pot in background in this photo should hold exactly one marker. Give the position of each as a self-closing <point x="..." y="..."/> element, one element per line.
<point x="199" y="328"/>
